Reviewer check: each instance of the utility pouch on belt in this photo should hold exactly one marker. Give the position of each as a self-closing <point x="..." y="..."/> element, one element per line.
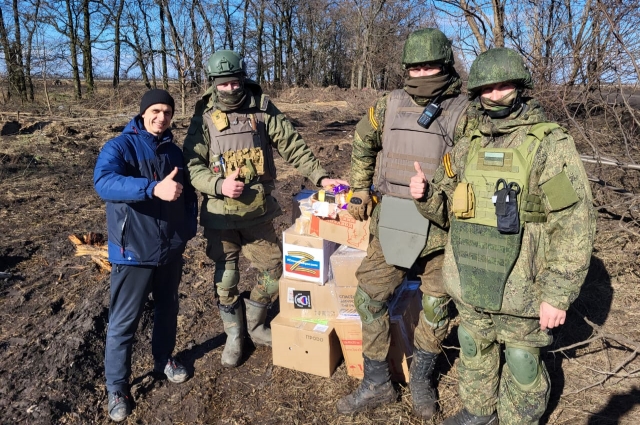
<point x="485" y="258"/>
<point x="252" y="203"/>
<point x="464" y="201"/>
<point x="505" y="200"/>
<point x="249" y="161"/>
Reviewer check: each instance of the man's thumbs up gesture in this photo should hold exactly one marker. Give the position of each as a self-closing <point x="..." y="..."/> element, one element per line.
<point x="231" y="187"/>
<point x="168" y="189"/>
<point x="418" y="184"/>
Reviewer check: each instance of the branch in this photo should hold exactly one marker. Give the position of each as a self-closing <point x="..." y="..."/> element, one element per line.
<point x="602" y="161"/>
<point x="601" y="334"/>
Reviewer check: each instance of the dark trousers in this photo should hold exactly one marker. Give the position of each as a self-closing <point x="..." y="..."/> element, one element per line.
<point x="130" y="287"/>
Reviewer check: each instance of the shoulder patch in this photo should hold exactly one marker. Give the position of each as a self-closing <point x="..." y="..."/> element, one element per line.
<point x="264" y="102"/>
<point x="372" y="118"/>
<point x="446" y="162"/>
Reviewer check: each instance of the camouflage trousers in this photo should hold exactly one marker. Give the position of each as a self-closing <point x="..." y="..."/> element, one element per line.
<point x="380" y="280"/>
<point x="260" y="245"/>
<point x="482" y="386"/>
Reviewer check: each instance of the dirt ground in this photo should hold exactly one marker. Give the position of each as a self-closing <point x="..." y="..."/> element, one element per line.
<point x="54" y="305"/>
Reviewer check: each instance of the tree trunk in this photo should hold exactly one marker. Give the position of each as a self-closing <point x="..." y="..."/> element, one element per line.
<point x="73" y="43"/>
<point x="87" y="56"/>
<point x="19" y="63"/>
<point x="152" y="60"/>
<point x="163" y="47"/>
<point x="198" y="69"/>
<point x="33" y="20"/>
<point x="259" y="42"/>
<point x="116" y="45"/>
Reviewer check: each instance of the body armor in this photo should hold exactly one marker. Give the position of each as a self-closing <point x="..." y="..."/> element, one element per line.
<point x="234" y="136"/>
<point x="402" y="230"/>
<point x="485" y="256"/>
<point x="231" y="132"/>
<point x="404" y="141"/>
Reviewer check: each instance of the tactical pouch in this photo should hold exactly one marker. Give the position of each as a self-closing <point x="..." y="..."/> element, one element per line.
<point x="249" y="161"/>
<point x="505" y="200"/>
<point x="485" y="258"/>
<point x="464" y="201"/>
<point x="252" y="203"/>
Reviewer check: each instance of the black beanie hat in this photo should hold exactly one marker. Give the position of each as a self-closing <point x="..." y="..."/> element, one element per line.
<point x="157" y="96"/>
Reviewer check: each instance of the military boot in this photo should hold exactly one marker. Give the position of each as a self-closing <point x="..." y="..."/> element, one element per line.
<point x="422" y="392"/>
<point x="256" y="315"/>
<point x="463" y="417"/>
<point x="374" y="390"/>
<point x="233" y="322"/>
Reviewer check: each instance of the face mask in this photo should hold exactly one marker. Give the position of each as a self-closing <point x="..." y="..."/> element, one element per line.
<point x="504" y="102"/>
<point x="233" y="98"/>
<point x="502" y="107"/>
<point x="429" y="86"/>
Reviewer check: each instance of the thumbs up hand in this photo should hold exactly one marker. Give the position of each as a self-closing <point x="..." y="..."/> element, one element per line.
<point x="232" y="188"/>
<point x="168" y="189"/>
<point x="418" y="183"/>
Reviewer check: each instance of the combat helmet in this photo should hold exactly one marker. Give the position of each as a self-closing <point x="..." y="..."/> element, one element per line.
<point x="427" y="45"/>
<point x="225" y="63"/>
<point x="498" y="65"/>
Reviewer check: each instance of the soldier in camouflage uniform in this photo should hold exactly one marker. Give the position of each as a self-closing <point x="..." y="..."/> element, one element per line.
<point x="229" y="156"/>
<point x="519" y="207"/>
<point x="391" y="136"/>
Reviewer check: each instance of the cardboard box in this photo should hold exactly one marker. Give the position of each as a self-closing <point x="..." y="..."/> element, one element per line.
<point x="306" y="257"/>
<point x="349" y="332"/>
<point x="404" y="312"/>
<point x="307" y="300"/>
<point x="344" y="230"/>
<point x="307" y="347"/>
<point x="345" y="261"/>
<point x="344" y="299"/>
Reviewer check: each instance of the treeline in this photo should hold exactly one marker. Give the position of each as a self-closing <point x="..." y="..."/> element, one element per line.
<point x="348" y="43"/>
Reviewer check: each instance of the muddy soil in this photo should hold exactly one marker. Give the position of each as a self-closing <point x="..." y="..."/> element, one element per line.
<point x="54" y="306"/>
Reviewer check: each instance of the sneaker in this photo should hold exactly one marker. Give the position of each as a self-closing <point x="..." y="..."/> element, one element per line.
<point x="118" y="407"/>
<point x="175" y="371"/>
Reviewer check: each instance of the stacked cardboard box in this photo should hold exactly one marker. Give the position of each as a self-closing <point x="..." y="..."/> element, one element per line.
<point x="303" y="338"/>
<point x="317" y="302"/>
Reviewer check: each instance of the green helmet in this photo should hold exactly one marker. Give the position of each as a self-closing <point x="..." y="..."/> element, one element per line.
<point x="427" y="45"/>
<point x="498" y="65"/>
<point x="225" y="63"/>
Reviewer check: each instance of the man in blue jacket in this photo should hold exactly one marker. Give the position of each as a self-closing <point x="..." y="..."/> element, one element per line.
<point x="151" y="214"/>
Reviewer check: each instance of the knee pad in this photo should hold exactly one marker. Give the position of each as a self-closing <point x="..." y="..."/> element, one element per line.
<point x="524" y="364"/>
<point x="435" y="310"/>
<point x="269" y="283"/>
<point x="471" y="346"/>
<point x="226" y="278"/>
<point x="364" y="304"/>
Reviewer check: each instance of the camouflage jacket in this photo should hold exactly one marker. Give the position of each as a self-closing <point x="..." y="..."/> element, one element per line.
<point x="367" y="143"/>
<point x="555" y="255"/>
<point x="283" y="137"/>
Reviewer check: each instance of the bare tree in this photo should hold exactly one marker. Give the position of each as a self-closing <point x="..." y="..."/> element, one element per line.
<point x="117" y="43"/>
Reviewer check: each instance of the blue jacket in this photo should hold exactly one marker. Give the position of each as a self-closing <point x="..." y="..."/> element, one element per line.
<point x="144" y="230"/>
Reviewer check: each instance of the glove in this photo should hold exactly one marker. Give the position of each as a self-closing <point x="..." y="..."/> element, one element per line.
<point x="360" y="206"/>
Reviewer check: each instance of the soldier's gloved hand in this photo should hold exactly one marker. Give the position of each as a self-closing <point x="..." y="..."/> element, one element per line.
<point x="360" y="206"/>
